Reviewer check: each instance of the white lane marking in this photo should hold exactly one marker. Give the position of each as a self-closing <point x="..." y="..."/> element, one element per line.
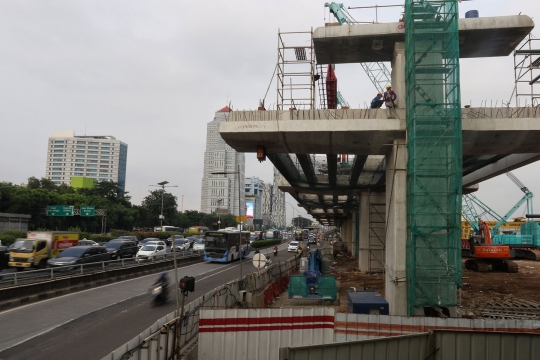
<point x="219" y="272"/>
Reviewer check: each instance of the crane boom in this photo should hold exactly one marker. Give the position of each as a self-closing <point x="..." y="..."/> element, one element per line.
<point x="377" y="72"/>
<point x="527" y="197"/>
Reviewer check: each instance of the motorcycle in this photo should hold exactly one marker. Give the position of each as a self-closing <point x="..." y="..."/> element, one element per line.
<point x="275" y="252"/>
<point x="160" y="294"/>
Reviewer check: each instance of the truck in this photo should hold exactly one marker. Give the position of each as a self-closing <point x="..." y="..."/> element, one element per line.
<point x="40" y="246"/>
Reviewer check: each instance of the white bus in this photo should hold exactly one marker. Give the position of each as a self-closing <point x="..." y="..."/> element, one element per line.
<point x="167" y="228"/>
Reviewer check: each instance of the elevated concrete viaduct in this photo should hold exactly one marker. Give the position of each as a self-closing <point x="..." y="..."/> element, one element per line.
<point x="366" y="195"/>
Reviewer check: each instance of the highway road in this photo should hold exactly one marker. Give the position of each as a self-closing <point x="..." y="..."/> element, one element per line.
<point x="92" y="323"/>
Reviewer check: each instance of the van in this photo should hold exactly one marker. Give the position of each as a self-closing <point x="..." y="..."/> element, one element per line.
<point x="120" y="248"/>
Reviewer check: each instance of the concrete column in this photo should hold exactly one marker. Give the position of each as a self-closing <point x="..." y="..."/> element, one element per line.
<point x="396" y="235"/>
<point x="398" y="74"/>
<point x="372" y="232"/>
<point x="363" y="256"/>
<point x="345" y="233"/>
<point x="350" y="222"/>
<point x="355" y="234"/>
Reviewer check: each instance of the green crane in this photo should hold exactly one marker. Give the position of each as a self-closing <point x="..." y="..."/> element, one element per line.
<point x="377" y="72"/>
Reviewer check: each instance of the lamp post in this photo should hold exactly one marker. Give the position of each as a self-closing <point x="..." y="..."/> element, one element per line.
<point x="292" y="222"/>
<point x="162" y="185"/>
<point x="219" y="201"/>
<point x="239" y="214"/>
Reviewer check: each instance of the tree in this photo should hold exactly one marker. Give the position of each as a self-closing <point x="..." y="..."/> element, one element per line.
<point x="301" y="222"/>
<point x="152" y="205"/>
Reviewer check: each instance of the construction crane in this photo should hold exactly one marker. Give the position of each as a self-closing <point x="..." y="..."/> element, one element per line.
<point x="527" y="243"/>
<point x="377" y="72"/>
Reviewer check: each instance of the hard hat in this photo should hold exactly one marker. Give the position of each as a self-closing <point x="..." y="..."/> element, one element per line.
<point x="388" y="86"/>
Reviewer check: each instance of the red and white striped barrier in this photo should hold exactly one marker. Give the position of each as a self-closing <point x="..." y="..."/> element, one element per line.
<point x="258" y="334"/>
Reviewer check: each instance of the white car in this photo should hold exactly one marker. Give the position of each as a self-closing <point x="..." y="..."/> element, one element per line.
<point x="157" y="242"/>
<point x="199" y="245"/>
<point x="181" y="245"/>
<point x="151" y="252"/>
<point x="293" y="246"/>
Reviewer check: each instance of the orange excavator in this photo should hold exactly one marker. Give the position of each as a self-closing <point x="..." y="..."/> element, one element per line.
<point x="485" y="256"/>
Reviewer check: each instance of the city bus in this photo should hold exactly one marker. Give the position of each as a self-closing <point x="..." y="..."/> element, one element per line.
<point x="225" y="246"/>
<point x="167" y="228"/>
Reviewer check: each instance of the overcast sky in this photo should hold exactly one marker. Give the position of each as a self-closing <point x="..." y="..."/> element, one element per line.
<point x="153" y="73"/>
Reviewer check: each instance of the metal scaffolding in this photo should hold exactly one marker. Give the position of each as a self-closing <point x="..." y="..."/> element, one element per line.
<point x="527" y="72"/>
<point x="295" y="70"/>
<point x="434" y="164"/>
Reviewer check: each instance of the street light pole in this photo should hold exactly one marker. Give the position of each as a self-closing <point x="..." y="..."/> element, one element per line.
<point x="239" y="214"/>
<point x="162" y="185"/>
<point x="219" y="201"/>
<point x="292" y="221"/>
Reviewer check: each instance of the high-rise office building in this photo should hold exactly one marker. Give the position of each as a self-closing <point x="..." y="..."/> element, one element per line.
<point x="221" y="191"/>
<point x="102" y="158"/>
<point x="273" y="205"/>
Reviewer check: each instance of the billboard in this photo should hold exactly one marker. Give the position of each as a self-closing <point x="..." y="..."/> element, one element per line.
<point x="250" y="208"/>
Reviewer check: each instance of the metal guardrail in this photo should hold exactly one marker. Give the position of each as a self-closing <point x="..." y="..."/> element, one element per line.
<point x="8" y="279"/>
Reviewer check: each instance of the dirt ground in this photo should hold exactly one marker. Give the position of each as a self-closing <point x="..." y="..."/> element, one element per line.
<point x="479" y="288"/>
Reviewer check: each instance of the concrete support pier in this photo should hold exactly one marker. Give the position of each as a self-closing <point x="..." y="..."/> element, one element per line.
<point x="396" y="234"/>
<point x="372" y="230"/>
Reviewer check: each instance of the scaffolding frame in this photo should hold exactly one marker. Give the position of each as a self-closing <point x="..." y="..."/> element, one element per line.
<point x="434" y="148"/>
<point x="377" y="237"/>
<point x="295" y="71"/>
<point x="527" y="71"/>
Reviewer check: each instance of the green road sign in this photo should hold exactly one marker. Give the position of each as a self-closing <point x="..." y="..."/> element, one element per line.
<point x="60" y="210"/>
<point x="88" y="210"/>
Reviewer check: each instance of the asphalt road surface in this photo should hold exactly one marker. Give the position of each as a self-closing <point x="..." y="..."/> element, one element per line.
<point x="91" y="324"/>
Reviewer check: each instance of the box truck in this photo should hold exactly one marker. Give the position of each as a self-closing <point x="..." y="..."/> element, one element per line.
<point x="40" y="246"/>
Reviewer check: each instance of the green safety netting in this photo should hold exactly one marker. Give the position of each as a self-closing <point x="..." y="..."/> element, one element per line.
<point x="434" y="167"/>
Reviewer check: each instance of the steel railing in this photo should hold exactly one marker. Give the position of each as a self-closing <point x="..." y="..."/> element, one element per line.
<point x="10" y="278"/>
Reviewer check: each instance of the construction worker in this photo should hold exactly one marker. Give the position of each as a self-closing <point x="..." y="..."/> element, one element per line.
<point x="390" y="101"/>
<point x="390" y="97"/>
<point x="377" y="101"/>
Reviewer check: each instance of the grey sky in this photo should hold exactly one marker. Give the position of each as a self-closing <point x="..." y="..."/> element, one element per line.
<point x="153" y="73"/>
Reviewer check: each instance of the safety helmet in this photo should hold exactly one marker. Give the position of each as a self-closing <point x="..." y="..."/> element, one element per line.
<point x="164" y="272"/>
<point x="388" y="86"/>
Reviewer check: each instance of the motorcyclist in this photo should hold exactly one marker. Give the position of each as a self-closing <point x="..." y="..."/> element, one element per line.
<point x="163" y="280"/>
<point x="275" y="250"/>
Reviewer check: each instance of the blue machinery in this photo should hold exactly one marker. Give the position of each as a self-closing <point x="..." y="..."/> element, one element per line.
<point x="311" y="284"/>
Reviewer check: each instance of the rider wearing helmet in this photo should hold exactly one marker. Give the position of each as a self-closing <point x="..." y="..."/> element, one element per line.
<point x="163" y="279"/>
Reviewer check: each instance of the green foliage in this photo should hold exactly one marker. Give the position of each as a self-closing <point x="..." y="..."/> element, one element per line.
<point x="264" y="243"/>
<point x="301" y="222"/>
<point x="100" y="238"/>
<point x="10" y="236"/>
<point x="33" y="199"/>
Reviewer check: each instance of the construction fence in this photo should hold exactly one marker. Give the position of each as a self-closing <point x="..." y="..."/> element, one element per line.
<point x="319" y="333"/>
